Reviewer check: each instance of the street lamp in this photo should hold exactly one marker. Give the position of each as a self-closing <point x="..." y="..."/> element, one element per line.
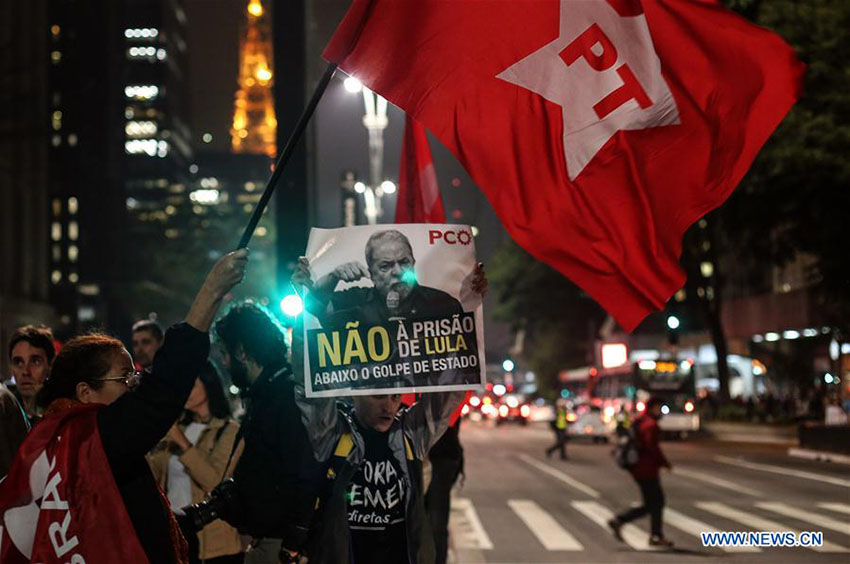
<point x="375" y="121"/>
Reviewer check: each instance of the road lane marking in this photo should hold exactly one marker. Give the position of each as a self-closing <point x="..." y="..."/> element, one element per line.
<point x="839" y="507"/>
<point x="550" y="534"/>
<point x="470" y="534"/>
<point x="695" y="527"/>
<point x="786" y="471"/>
<point x="720" y="482"/>
<point x="819" y="519"/>
<point x="600" y="515"/>
<point x="569" y="480"/>
<point x="753" y="521"/>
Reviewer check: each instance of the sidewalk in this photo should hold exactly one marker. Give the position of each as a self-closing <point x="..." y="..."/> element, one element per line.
<point x="751" y="432"/>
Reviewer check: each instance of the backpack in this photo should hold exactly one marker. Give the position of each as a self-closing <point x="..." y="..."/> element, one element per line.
<point x="626" y="451"/>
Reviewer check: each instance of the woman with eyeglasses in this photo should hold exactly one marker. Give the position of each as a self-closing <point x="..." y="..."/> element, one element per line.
<point x="80" y="489"/>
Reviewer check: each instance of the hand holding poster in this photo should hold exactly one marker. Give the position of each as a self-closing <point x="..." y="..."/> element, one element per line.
<point x="392" y="308"/>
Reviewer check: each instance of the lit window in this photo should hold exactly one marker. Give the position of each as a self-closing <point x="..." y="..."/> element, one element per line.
<point x="57" y="207"/>
<point x="73" y="278"/>
<point x="141" y="146"/>
<point x="141" y="33"/>
<point x="140" y="128"/>
<point x="72" y="139"/>
<point x="162" y="149"/>
<point x="250" y="186"/>
<point x="55" y="30"/>
<point x="56" y="140"/>
<point x="73" y="252"/>
<point x="706" y="269"/>
<point x="56" y="277"/>
<point x="171" y="233"/>
<point x="193" y="168"/>
<point x="207" y="137"/>
<point x="57" y="120"/>
<point x="141" y="92"/>
<point x="261" y="231"/>
<point x="681" y="295"/>
<point x="145" y="52"/>
<point x="248" y="208"/>
<point x="161" y="54"/>
<point x="56" y="231"/>
<point x="73" y="230"/>
<point x="170" y="210"/>
<point x="57" y="253"/>
<point x="56" y="57"/>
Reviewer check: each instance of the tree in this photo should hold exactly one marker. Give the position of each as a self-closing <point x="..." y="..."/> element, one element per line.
<point x="559" y="320"/>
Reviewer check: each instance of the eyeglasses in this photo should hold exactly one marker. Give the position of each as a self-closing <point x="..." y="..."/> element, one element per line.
<point x="131" y="379"/>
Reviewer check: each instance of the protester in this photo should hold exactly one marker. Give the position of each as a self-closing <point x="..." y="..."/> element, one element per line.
<point x="147" y="338"/>
<point x="190" y="462"/>
<point x="645" y="473"/>
<point x="373" y="509"/>
<point x="372" y="506"/>
<point x="446" y="457"/>
<point x="274" y="489"/>
<point x="13" y="428"/>
<point x="559" y="426"/>
<point x="87" y="457"/>
<point x="30" y="354"/>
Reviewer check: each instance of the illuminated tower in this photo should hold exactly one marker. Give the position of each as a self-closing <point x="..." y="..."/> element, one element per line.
<point x="254" y="124"/>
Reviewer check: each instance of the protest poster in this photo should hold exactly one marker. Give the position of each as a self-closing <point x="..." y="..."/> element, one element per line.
<point x="392" y="306"/>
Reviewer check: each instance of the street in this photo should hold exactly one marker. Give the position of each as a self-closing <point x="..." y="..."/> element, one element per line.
<point x="518" y="506"/>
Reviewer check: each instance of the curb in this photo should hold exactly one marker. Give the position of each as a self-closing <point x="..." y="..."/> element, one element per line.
<point x="821" y="455"/>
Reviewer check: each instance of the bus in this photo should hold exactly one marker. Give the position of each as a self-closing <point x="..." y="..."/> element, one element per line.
<point x="628" y="387"/>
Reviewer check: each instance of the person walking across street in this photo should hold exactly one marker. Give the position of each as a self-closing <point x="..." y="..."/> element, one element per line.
<point x="559" y="426"/>
<point x="646" y="473"/>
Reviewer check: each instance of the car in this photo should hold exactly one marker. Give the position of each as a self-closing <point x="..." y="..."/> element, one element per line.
<point x="589" y="421"/>
<point x="511" y="408"/>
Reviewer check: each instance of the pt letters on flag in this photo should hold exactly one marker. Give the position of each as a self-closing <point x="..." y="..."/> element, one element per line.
<point x="599" y="130"/>
<point x="392" y="307"/>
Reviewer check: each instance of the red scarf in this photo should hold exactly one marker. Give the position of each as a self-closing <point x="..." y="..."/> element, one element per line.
<point x="60" y="503"/>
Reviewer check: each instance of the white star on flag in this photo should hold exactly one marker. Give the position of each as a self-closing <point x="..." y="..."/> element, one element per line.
<point x="604" y="73"/>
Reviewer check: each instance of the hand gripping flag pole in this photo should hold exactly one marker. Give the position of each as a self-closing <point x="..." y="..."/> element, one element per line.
<point x="294" y="137"/>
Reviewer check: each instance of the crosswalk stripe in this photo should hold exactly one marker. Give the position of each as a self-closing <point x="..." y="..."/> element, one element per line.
<point x="600" y="515"/>
<point x="471" y="534"/>
<point x="819" y="519"/>
<point x="569" y="480"/>
<point x="695" y="527"/>
<point x="786" y="471"/>
<point x="838" y="507"/>
<point x="755" y="522"/>
<point x="550" y="534"/>
<point x="737" y="488"/>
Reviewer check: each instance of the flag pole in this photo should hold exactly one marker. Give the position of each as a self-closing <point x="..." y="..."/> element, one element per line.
<point x="294" y="137"/>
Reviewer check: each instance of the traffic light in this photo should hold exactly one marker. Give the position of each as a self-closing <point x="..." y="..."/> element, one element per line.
<point x="291" y="305"/>
<point x="508" y="365"/>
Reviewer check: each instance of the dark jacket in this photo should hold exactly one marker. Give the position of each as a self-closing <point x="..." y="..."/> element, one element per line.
<point x="411" y="436"/>
<point x="277" y="477"/>
<point x="134" y="423"/>
<point x="13" y="428"/>
<point x="650" y="458"/>
<point x="367" y="306"/>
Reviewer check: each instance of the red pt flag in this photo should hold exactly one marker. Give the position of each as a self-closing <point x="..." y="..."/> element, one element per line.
<point x="418" y="198"/>
<point x="599" y="131"/>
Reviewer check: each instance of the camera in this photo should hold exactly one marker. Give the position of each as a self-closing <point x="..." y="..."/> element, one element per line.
<point x="221" y="503"/>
